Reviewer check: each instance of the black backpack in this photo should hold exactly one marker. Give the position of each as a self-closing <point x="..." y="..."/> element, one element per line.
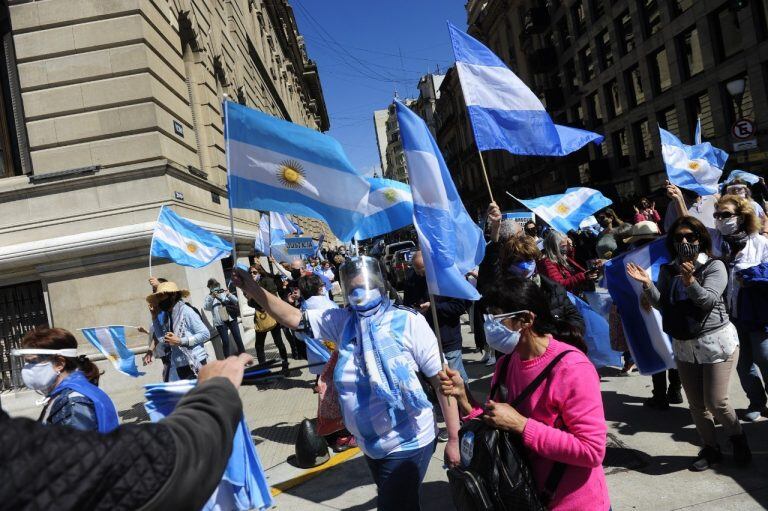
<point x="494" y="474"/>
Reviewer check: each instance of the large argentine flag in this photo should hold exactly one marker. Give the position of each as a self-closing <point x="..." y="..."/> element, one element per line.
<point x="390" y="207"/>
<point x="566" y="211"/>
<point x="110" y="341"/>
<point x="275" y="165"/>
<point x="452" y="244"/>
<point x="185" y="243"/>
<point x="694" y="167"/>
<point x="504" y="113"/>
<point x="651" y="348"/>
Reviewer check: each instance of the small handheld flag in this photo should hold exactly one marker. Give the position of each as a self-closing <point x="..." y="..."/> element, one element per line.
<point x="694" y="167"/>
<point x="110" y="341"/>
<point x="390" y="207"/>
<point x="566" y="211"/>
<point x="186" y="243"/>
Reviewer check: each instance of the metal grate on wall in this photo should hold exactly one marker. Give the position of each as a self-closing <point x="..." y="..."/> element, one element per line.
<point x="22" y="307"/>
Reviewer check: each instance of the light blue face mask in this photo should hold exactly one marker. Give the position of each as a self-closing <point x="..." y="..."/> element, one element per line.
<point x="498" y="336"/>
<point x="363" y="300"/>
<point x="525" y="269"/>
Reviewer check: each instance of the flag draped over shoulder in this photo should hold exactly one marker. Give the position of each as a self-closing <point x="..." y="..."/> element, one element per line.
<point x="566" y="211"/>
<point x="186" y="243"/>
<point x="451" y="243"/>
<point x="651" y="348"/>
<point x="390" y="207"/>
<point x="694" y="167"/>
<point x="504" y="112"/>
<point x="110" y="341"/>
<point x="276" y="165"/>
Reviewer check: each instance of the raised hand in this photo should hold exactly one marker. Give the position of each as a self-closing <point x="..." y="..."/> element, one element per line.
<point x="637" y="273"/>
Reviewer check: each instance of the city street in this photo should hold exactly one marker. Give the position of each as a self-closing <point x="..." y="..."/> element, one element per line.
<point x="646" y="461"/>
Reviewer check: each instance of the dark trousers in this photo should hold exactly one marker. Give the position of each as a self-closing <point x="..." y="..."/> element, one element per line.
<point x="398" y="478"/>
<point x="277" y="337"/>
<point x="230" y="326"/>
<point x="660" y="383"/>
<point x="184" y="373"/>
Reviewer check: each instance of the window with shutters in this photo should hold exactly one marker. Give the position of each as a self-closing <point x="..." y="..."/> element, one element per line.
<point x="565" y="36"/>
<point x="680" y="6"/>
<point x="626" y="35"/>
<point x="651" y="17"/>
<point x="700" y="106"/>
<point x="728" y="32"/>
<point x="613" y="99"/>
<point x="667" y="119"/>
<point x="660" y="77"/>
<point x="634" y="82"/>
<point x="690" y="47"/>
<point x="606" y="49"/>
<point x="579" y="17"/>
<point x="643" y="143"/>
<point x="587" y="64"/>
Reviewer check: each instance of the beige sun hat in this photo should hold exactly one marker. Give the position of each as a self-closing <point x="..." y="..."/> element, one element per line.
<point x="642" y="231"/>
<point x="166" y="288"/>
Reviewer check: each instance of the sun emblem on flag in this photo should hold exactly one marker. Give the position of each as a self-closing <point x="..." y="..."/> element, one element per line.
<point x="291" y="173"/>
<point x="694" y="165"/>
<point x="562" y="209"/>
<point x="390" y="195"/>
<point x="191" y="247"/>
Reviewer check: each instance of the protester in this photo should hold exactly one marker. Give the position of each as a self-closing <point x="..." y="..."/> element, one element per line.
<point x="563" y="420"/>
<point x="266" y="281"/>
<point x="68" y="381"/>
<point x="689" y="295"/>
<point x="179" y="331"/>
<point x="216" y="302"/>
<point x="328" y="272"/>
<point x="175" y="464"/>
<point x="558" y="264"/>
<point x="381" y="346"/>
<point x="741" y="189"/>
<point x="449" y="312"/>
<point x="610" y="241"/>
<point x="532" y="231"/>
<point x="645" y="211"/>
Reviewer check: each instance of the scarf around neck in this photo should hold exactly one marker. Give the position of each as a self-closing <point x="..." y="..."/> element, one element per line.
<point x="389" y="373"/>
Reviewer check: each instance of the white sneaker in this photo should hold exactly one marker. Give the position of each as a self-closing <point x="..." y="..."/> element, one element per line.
<point x="491" y="361"/>
<point x="486" y="356"/>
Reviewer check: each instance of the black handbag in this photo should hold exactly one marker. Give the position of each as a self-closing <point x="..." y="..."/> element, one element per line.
<point x="494" y="474"/>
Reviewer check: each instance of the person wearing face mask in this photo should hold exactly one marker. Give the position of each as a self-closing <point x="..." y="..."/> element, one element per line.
<point x="216" y="302"/>
<point x="180" y="332"/>
<point x="268" y="282"/>
<point x="532" y="231"/>
<point x="559" y="265"/>
<point x="563" y="419"/>
<point x="381" y="348"/>
<point x="645" y="211"/>
<point x="518" y="257"/>
<point x="689" y="293"/>
<point x="609" y="242"/>
<point x="68" y="381"/>
<point x="742" y="247"/>
<point x="741" y="189"/>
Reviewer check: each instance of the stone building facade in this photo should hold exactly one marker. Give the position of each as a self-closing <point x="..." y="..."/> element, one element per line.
<point x="111" y="109"/>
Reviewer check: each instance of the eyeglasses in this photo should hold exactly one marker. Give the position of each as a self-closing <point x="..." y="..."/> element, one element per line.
<point x="690" y="237"/>
<point x="254" y="273"/>
<point x="506" y="315"/>
<point x="722" y="215"/>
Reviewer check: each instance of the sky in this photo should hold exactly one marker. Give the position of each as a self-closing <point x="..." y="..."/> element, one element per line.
<point x="366" y="50"/>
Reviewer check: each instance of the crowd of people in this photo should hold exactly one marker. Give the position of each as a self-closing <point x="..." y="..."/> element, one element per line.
<point x="396" y="374"/>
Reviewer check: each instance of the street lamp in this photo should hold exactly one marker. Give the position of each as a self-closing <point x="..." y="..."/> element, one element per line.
<point x="736" y="89"/>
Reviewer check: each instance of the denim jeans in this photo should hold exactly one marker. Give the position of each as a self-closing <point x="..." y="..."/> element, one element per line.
<point x="398" y="478"/>
<point x="230" y="326"/>
<point x="456" y="363"/>
<point x="753" y="360"/>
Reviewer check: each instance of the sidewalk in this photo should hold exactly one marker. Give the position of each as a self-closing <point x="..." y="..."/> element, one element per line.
<point x="646" y="462"/>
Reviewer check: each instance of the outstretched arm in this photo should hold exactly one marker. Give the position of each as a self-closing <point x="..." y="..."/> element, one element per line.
<point x="283" y="312"/>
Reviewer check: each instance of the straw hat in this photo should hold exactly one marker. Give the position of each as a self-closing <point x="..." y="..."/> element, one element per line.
<point x="166" y="288"/>
<point x="642" y="231"/>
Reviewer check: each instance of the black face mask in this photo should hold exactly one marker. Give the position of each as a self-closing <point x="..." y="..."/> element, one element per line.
<point x="166" y="304"/>
<point x="531" y="232"/>
<point x="296" y="274"/>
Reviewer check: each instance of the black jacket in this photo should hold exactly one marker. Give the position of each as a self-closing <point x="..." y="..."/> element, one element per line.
<point x="174" y="464"/>
<point x="561" y="306"/>
<point x="449" y="310"/>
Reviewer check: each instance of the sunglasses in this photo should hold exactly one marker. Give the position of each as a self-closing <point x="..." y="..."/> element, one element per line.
<point x="722" y="215"/>
<point x="691" y="237"/>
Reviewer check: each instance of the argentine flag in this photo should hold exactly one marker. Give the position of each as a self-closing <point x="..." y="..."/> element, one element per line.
<point x="452" y="244"/>
<point x="390" y="207"/>
<point x="651" y="348"/>
<point x="276" y="165"/>
<point x="273" y="228"/>
<point x="185" y="243"/>
<point x="566" y="211"/>
<point x="694" y="167"/>
<point x="110" y="341"/>
<point x="503" y="111"/>
<point x="742" y="175"/>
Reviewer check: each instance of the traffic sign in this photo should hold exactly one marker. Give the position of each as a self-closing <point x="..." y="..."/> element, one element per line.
<point x="743" y="128"/>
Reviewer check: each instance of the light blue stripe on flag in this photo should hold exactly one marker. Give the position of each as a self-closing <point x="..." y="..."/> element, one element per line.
<point x="694" y="167"/>
<point x="279" y="166"/>
<point x="596" y="335"/>
<point x="110" y="341"/>
<point x="743" y="175"/>
<point x="504" y="112"/>
<point x="186" y="243"/>
<point x="390" y="207"/>
<point x="651" y="348"/>
<point x="451" y="243"/>
<point x="565" y="211"/>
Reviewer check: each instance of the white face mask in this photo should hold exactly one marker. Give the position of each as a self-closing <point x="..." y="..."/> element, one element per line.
<point x="498" y="336"/>
<point x="39" y="376"/>
<point x="727" y="226"/>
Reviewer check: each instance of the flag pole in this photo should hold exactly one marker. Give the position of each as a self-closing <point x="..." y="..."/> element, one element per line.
<point x="485" y="174"/>
<point x="269" y="243"/>
<point x="433" y="308"/>
<point x="229" y="185"/>
<point x="152" y="243"/>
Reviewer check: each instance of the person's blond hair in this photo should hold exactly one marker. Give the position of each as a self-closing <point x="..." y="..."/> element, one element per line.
<point x="519" y="248"/>
<point x="743" y="208"/>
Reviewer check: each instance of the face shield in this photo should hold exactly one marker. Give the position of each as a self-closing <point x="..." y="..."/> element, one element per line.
<point x="362" y="283"/>
<point x="37" y="370"/>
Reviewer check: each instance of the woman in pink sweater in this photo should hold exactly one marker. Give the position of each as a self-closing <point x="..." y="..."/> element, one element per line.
<point x="563" y="420"/>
